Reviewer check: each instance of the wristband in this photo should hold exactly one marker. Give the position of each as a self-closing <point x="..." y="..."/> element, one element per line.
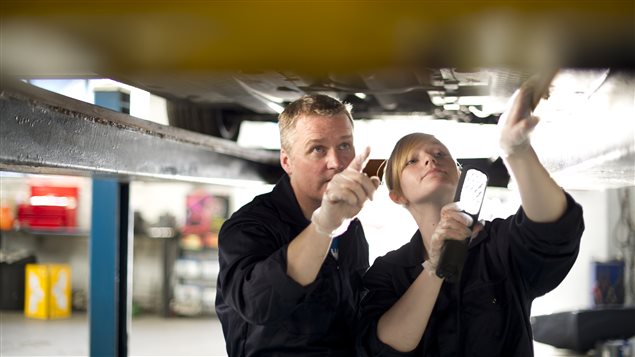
<point x="504" y="153"/>
<point x="334" y="233"/>
<point x="428" y="267"/>
<point x="321" y="231"/>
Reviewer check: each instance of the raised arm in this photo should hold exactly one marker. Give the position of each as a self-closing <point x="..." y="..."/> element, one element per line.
<point x="542" y="199"/>
<point x="344" y="197"/>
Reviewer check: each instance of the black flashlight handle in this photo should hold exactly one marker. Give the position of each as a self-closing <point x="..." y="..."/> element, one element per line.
<point x="454" y="252"/>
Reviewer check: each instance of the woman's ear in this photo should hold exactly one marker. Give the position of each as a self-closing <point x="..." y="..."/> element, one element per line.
<point x="397" y="198"/>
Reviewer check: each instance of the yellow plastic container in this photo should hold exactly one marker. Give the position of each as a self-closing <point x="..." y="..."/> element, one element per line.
<point x="48" y="291"/>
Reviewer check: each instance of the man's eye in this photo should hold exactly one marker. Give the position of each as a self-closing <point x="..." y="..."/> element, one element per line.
<point x="345" y="146"/>
<point x="318" y="149"/>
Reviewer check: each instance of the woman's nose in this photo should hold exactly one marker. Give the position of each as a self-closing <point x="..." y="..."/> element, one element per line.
<point x="430" y="159"/>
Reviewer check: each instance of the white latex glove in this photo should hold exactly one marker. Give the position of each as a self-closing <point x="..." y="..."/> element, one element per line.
<point x="517" y="122"/>
<point x="454" y="224"/>
<point x="345" y="196"/>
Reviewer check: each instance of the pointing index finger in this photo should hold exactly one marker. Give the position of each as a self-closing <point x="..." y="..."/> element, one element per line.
<point x="360" y="160"/>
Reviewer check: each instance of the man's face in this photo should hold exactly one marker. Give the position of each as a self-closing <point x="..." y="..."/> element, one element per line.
<point x="320" y="148"/>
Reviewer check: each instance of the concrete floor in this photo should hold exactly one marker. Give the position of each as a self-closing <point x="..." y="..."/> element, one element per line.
<point x="150" y="336"/>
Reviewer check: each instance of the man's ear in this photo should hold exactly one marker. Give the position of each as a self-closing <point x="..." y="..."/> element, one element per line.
<point x="396" y="198"/>
<point x="284" y="161"/>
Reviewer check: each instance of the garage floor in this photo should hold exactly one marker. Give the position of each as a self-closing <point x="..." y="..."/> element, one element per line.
<point x="150" y="336"/>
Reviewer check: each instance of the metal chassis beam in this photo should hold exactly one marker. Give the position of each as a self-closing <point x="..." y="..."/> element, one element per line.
<point x="43" y="132"/>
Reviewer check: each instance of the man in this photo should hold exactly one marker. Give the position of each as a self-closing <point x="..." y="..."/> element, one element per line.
<point x="290" y="280"/>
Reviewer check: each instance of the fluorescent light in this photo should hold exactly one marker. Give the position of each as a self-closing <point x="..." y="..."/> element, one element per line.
<point x="479" y="113"/>
<point x="474" y="100"/>
<point x="437" y="100"/>
<point x="275" y="106"/>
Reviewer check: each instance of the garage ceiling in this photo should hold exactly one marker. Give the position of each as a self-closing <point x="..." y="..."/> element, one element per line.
<point x="408" y="56"/>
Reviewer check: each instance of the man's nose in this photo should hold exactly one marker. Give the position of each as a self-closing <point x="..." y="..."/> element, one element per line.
<point x="334" y="161"/>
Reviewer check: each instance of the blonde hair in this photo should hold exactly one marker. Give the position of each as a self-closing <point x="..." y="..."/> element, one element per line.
<point x="315" y="104"/>
<point x="399" y="157"/>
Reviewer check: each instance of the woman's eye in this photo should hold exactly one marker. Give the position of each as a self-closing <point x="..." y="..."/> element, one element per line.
<point x="440" y="155"/>
<point x="411" y="162"/>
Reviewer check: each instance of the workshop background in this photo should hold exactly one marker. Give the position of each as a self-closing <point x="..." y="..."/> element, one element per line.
<point x="130" y="132"/>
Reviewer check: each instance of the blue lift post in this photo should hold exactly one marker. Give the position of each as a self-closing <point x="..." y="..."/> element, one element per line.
<point x="111" y="238"/>
<point x="110" y="268"/>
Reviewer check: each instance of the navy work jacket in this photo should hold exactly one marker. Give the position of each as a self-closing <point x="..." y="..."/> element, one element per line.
<point x="262" y="310"/>
<point x="509" y="263"/>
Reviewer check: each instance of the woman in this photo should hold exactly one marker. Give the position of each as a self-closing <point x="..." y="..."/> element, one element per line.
<point x="409" y="310"/>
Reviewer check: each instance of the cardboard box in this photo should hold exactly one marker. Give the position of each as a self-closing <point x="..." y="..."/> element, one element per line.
<point x="47" y="291"/>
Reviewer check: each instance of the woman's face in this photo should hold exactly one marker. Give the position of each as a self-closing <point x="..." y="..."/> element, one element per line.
<point x="430" y="173"/>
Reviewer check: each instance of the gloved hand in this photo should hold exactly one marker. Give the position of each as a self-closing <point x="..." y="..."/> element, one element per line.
<point x="454" y="224"/>
<point x="344" y="197"/>
<point x="517" y="122"/>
